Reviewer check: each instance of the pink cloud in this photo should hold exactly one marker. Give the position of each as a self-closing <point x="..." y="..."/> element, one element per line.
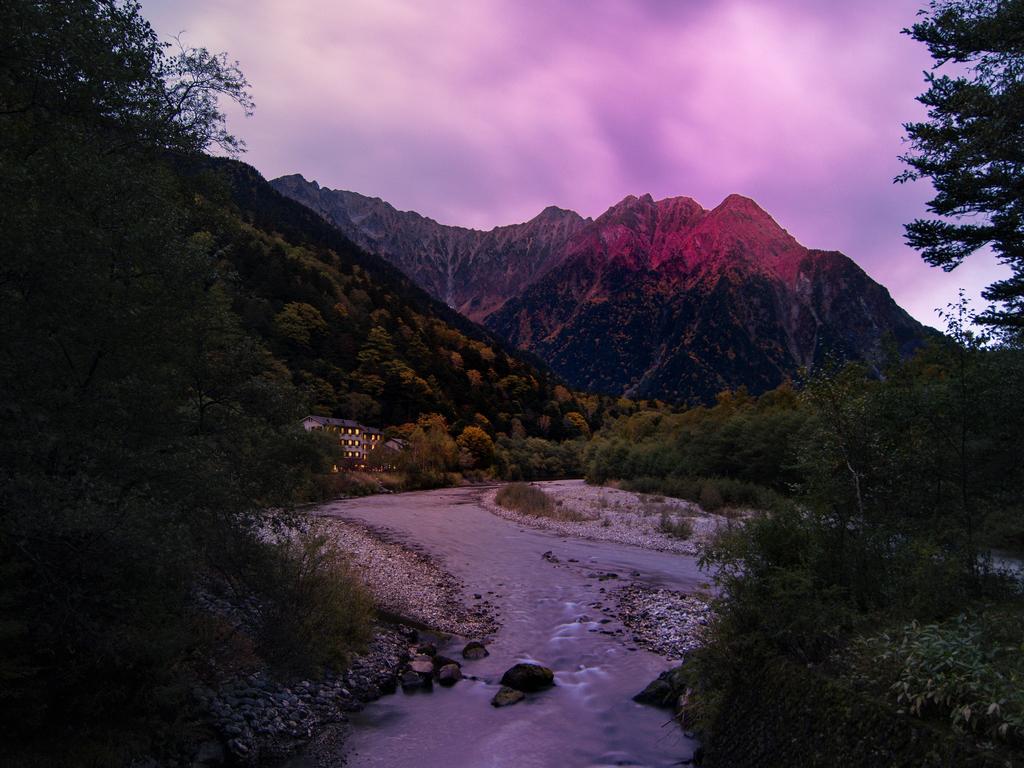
<point x="483" y="113"/>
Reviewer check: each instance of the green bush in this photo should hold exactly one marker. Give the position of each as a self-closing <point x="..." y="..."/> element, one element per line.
<point x="786" y="714"/>
<point x="533" y="458"/>
<point x="317" y="612"/>
<point x="711" y="493"/>
<point x="676" y="527"/>
<point x="531" y="500"/>
<point x="969" y="669"/>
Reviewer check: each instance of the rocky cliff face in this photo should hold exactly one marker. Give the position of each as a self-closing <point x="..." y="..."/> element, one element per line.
<point x="652" y="299"/>
<point x="468" y="269"/>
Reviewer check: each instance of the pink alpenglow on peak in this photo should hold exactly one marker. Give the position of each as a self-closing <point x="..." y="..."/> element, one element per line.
<point x="653" y="298"/>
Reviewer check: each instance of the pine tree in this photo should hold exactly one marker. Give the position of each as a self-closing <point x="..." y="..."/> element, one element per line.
<point x="972" y="145"/>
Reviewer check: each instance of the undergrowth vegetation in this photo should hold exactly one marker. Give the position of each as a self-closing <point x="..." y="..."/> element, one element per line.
<point x="737" y="453"/>
<point x="968" y="669"/>
<point x="316" y="610"/>
<point x="871" y="567"/>
<point x="530" y="500"/>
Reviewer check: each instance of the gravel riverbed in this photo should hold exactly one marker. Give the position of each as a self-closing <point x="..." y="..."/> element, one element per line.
<point x="615" y="515"/>
<point x="670" y="624"/>
<point x="261" y="721"/>
<point x="409" y="584"/>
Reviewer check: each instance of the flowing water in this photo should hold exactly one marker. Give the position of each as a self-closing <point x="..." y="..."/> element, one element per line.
<point x="588" y="718"/>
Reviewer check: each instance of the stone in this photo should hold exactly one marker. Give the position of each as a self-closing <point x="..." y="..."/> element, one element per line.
<point x="424" y="665"/>
<point x="443" y="661"/>
<point x="528" y="677"/>
<point x="449" y="675"/>
<point x="475" y="650"/>
<point x="658" y="693"/>
<point x="506" y="697"/>
<point x="666" y="690"/>
<point x="426" y="649"/>
<point x="412" y="681"/>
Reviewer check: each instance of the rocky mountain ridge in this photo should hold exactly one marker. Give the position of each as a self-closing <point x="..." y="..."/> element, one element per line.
<point x="472" y="270"/>
<point x="660" y="299"/>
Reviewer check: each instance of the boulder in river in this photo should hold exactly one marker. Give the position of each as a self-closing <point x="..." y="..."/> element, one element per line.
<point x="665" y="690"/>
<point x="426" y="649"/>
<point x="414" y="681"/>
<point x="424" y="665"/>
<point x="474" y="650"/>
<point x="449" y="675"/>
<point x="506" y="697"/>
<point x="528" y="678"/>
<point x="443" y="661"/>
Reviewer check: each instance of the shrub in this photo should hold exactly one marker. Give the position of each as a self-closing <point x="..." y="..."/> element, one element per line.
<point x="710" y="498"/>
<point x="676" y="527"/>
<point x="969" y="669"/>
<point x="527" y="499"/>
<point x="711" y="493"/>
<point x="327" y="487"/>
<point x="317" y="613"/>
<point x="531" y="500"/>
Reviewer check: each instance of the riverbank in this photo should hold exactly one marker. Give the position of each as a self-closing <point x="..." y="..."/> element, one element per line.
<point x="624" y="517"/>
<point x="408" y="584"/>
<point x="261" y="719"/>
<point x="669" y="623"/>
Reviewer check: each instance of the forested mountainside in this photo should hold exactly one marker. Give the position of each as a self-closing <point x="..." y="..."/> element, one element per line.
<point x="659" y="299"/>
<point x="358" y="336"/>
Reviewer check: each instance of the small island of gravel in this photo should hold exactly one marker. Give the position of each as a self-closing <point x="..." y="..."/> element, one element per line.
<point x="603" y="513"/>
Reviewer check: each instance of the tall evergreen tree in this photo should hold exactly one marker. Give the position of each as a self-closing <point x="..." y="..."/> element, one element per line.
<point x="972" y="145"/>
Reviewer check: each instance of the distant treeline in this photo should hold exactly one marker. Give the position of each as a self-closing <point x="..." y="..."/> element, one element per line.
<point x="741" y="451"/>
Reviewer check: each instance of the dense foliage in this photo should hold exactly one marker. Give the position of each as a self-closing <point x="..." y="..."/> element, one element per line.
<point x="357" y="337"/>
<point x="739" y="452"/>
<point x="143" y="431"/>
<point x="969" y="669"/>
<point x="902" y="485"/>
<point x="971" y="147"/>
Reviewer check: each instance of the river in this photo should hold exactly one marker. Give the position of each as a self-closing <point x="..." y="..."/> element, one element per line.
<point x="588" y="718"/>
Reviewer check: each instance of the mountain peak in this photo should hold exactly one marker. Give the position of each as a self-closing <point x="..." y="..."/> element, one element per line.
<point x="295" y="180"/>
<point x="553" y="212"/>
<point x="741" y="204"/>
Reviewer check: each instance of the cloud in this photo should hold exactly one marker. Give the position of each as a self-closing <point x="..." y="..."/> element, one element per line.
<point x="483" y="113"/>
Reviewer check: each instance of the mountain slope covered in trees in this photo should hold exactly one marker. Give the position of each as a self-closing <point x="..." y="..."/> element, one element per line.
<point x="653" y="299"/>
<point x="357" y="335"/>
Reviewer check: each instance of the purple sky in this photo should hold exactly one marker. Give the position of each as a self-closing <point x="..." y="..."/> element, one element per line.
<point x="483" y="112"/>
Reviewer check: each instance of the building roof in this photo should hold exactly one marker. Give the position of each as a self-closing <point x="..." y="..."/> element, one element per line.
<point x="328" y="421"/>
<point x="331" y="422"/>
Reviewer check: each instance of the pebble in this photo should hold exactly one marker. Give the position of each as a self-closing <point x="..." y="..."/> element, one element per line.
<point x="408" y="583"/>
<point x="669" y="623"/>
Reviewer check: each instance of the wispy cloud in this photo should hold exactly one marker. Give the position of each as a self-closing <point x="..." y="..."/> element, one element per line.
<point x="481" y="113"/>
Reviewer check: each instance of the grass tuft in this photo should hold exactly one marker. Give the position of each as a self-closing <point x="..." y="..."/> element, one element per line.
<point x="531" y="500"/>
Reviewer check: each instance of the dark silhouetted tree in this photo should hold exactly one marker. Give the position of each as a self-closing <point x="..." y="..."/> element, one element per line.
<point x="972" y="145"/>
